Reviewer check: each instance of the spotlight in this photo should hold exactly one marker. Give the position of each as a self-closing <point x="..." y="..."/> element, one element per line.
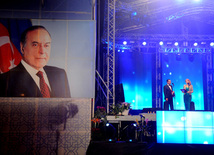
<point x="134" y="13"/>
<point x="134" y="124"/>
<point x="110" y="140"/>
<point x="160" y="43"/>
<point x="212" y="44"/>
<point x="205" y="142"/>
<point x="123" y="51"/>
<point x="176" y="43"/>
<point x="195" y="44"/>
<point x="110" y="132"/>
<point x="130" y="140"/>
<point x="125" y="43"/>
<point x="144" y="43"/>
<point x="118" y="50"/>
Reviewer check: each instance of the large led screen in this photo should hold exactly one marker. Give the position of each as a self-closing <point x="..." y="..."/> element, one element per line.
<point x="134" y="71"/>
<point x="178" y="68"/>
<point x="185" y="127"/>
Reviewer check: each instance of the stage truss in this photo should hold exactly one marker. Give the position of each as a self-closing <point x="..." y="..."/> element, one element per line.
<point x="114" y="40"/>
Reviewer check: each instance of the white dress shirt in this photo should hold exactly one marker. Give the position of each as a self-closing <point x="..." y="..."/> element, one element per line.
<point x="32" y="71"/>
<point x="169" y="87"/>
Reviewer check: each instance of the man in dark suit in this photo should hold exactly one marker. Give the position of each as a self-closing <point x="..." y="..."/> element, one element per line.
<point x="32" y="78"/>
<point x="168" y="93"/>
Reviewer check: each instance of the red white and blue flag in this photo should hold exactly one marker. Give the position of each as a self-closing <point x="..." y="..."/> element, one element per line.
<point x="10" y="55"/>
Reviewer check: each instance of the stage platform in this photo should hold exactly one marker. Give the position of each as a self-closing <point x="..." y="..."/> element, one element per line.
<point x="177" y="132"/>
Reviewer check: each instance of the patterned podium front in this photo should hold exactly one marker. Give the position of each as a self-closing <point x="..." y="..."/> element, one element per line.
<point x="44" y="126"/>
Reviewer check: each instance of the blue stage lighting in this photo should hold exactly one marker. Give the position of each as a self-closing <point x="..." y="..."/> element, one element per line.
<point x="134" y="13"/>
<point x="195" y="44"/>
<point x="107" y="124"/>
<point x="110" y="140"/>
<point x="161" y="43"/>
<point x="176" y="43"/>
<point x="212" y="44"/>
<point x="196" y="0"/>
<point x="118" y="50"/>
<point x="144" y="43"/>
<point x="130" y="140"/>
<point x="125" y="43"/>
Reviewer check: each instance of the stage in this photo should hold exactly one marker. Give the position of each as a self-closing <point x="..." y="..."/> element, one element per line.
<point x="176" y="132"/>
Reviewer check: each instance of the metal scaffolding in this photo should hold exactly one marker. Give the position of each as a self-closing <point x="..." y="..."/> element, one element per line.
<point x="209" y="72"/>
<point x="158" y="80"/>
<point x="111" y="54"/>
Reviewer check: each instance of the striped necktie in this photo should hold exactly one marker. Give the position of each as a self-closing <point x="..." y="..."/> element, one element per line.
<point x="43" y="86"/>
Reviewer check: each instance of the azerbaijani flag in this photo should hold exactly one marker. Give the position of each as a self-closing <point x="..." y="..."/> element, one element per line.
<point x="10" y="34"/>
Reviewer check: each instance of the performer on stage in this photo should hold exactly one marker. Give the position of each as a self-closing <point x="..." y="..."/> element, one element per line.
<point x="168" y="93"/>
<point x="187" y="94"/>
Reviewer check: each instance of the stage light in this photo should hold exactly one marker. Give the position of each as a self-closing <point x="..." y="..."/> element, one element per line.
<point x="144" y="43"/>
<point x="118" y="50"/>
<point x="195" y="44"/>
<point x="130" y="140"/>
<point x="110" y="132"/>
<point x="134" y="13"/>
<point x="134" y="124"/>
<point x="205" y="142"/>
<point x="196" y="0"/>
<point x="123" y="51"/>
<point x="125" y="43"/>
<point x="212" y="44"/>
<point x="110" y="140"/>
<point x="176" y="43"/>
<point x="160" y="43"/>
